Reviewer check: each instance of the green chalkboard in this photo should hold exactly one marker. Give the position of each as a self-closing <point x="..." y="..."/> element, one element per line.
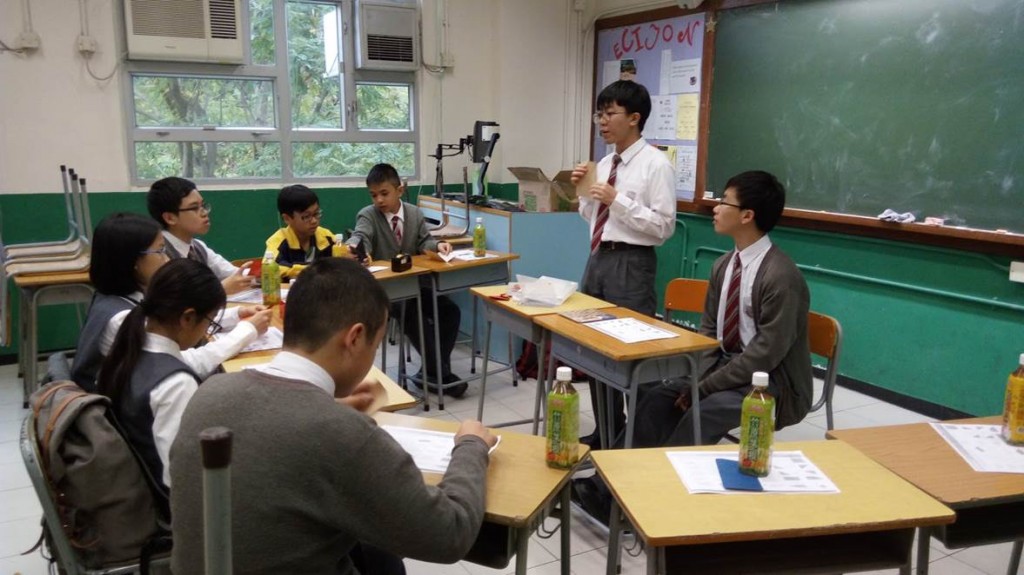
<point x="862" y="105"/>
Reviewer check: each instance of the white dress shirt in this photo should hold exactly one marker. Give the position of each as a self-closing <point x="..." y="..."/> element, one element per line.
<point x="292" y="366"/>
<point x="203" y="360"/>
<point x="221" y="267"/>
<point x="750" y="260"/>
<point x="168" y="400"/>
<point x="644" y="210"/>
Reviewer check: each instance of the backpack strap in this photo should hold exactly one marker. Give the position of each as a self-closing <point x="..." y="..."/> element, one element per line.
<point x="45" y="396"/>
<point x="54" y="418"/>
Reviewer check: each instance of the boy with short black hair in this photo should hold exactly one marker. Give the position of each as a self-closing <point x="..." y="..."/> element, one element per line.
<point x="389" y="227"/>
<point x="631" y="209"/>
<point x="302" y="240"/>
<point x="311" y="477"/>
<point x="180" y="209"/>
<point x="756" y="306"/>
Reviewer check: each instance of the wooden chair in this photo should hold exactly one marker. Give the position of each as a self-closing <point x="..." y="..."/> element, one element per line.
<point x="685" y="295"/>
<point x="826" y="340"/>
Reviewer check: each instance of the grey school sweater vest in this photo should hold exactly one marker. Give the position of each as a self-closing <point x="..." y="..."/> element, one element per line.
<point x="196" y="249"/>
<point x="88" y="357"/>
<point x="134" y="412"/>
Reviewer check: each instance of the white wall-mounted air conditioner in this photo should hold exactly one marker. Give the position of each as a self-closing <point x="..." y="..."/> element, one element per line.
<point x="388" y="35"/>
<point x="184" y="30"/>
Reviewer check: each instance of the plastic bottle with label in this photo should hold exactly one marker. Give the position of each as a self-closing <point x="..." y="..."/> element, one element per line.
<point x="479" y="239"/>
<point x="757" y="426"/>
<point x="1013" y="410"/>
<point x="563" y="422"/>
<point x="270" y="280"/>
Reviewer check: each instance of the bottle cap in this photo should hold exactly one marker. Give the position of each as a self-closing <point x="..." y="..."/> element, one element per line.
<point x="563" y="373"/>
<point x="479" y="220"/>
<point x="268" y="255"/>
<point x="339" y="238"/>
<point x="760" y="379"/>
<point x="1022" y="359"/>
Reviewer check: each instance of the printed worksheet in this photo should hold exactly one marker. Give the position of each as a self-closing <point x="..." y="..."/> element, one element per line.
<point x="982" y="447"/>
<point x="431" y="450"/>
<point x="792" y="472"/>
<point x="630" y="330"/>
<point x="273" y="338"/>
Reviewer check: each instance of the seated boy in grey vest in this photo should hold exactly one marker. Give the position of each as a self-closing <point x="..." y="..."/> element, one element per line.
<point x="389" y="227"/>
<point x="311" y="476"/>
<point x="180" y="209"/>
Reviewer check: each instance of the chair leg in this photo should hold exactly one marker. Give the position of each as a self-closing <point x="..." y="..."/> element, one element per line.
<point x="1011" y="569"/>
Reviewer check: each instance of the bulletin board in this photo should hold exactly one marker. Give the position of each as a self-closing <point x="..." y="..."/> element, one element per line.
<point x="664" y="55"/>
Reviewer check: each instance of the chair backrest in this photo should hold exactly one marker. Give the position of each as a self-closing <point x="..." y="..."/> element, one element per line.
<point x="826" y="340"/>
<point x="685" y="294"/>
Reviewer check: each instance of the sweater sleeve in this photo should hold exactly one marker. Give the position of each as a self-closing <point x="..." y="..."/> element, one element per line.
<point x="782" y="298"/>
<point x="389" y="505"/>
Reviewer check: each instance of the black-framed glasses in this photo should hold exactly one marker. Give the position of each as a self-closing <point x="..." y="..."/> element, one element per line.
<point x="598" y="116"/>
<point x="203" y="208"/>
<point x="317" y="215"/>
<point x="161" y="250"/>
<point x="722" y="202"/>
<point x="214" y="327"/>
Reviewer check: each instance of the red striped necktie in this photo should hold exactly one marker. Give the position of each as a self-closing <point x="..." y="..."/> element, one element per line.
<point x="602" y="209"/>
<point x="731" y="331"/>
<point x="396" y="227"/>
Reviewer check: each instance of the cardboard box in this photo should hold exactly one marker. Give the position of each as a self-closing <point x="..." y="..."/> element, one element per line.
<point x="537" y="193"/>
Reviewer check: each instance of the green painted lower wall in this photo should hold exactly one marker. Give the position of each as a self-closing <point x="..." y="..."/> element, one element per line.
<point x="941" y="325"/>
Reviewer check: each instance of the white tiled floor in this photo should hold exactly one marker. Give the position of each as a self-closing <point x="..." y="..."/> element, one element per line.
<point x="19" y="521"/>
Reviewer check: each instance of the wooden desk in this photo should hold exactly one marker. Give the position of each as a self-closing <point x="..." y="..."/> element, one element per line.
<point x="519" y="320"/>
<point x="456" y="275"/>
<point x="989" y="506"/>
<point x="398" y="398"/>
<point x="869" y="525"/>
<point x="39" y="290"/>
<point x="624" y="366"/>
<point x="520" y="490"/>
<point x="401" y="286"/>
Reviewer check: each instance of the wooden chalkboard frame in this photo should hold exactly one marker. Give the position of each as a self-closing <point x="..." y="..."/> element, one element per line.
<point x="982" y="241"/>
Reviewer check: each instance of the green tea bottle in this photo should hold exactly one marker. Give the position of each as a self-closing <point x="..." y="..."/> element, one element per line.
<point x="563" y="422"/>
<point x="270" y="280"/>
<point x="479" y="239"/>
<point x="757" y="425"/>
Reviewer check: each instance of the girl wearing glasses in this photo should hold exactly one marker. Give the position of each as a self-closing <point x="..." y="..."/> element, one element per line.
<point x="145" y="375"/>
<point x="127" y="249"/>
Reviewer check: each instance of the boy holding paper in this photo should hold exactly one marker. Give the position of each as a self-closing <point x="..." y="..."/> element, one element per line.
<point x="631" y="208"/>
<point x="309" y="477"/>
<point x="390" y="227"/>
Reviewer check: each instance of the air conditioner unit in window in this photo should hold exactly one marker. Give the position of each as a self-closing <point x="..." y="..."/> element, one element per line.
<point x="184" y="30"/>
<point x="389" y="35"/>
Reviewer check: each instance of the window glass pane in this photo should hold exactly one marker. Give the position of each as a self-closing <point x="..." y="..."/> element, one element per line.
<point x="261" y="21"/>
<point x="341" y="159"/>
<point x="314" y="65"/>
<point x="383" y="107"/>
<point x="164" y="101"/>
<point x="154" y="160"/>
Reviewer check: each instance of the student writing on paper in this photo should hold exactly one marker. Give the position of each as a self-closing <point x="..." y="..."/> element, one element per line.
<point x="127" y="249"/>
<point x="756" y="306"/>
<point x="145" y="376"/>
<point x="177" y="205"/>
<point x="301" y="241"/>
<point x="389" y="227"/>
<point x="311" y="477"/>
<point x="631" y="209"/>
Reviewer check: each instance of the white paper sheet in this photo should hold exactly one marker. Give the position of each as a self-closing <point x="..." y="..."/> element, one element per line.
<point x="254" y="296"/>
<point x="467" y="255"/>
<point x="630" y="330"/>
<point x="375" y="269"/>
<point x="273" y="338"/>
<point x="792" y="472"/>
<point x="431" y="450"/>
<point x="982" y="447"/>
